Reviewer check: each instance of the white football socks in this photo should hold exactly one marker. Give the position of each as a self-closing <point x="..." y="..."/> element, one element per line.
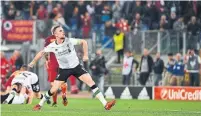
<point x="46" y="96"/>
<point x="99" y="95"/>
<point x="11" y="95"/>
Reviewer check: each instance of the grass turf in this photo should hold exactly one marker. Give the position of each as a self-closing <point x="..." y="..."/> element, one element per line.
<point x="92" y="107"/>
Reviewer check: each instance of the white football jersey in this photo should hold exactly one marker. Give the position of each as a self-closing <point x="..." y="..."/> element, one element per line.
<point x="65" y="53"/>
<point x="26" y="78"/>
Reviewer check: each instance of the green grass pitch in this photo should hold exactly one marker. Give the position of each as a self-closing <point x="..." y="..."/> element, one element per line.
<point x="92" y="107"/>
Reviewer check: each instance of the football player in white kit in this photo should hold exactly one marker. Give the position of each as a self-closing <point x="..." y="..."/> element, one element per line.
<point x="24" y="80"/>
<point x="64" y="50"/>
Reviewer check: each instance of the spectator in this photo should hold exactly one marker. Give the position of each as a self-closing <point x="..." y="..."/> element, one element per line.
<point x="41" y="12"/>
<point x="26" y="10"/>
<point x="128" y="63"/>
<point x="69" y="12"/>
<point x="49" y="6"/>
<point x="127" y="10"/>
<point x="193" y="27"/>
<point x="106" y="14"/>
<point x="33" y="9"/>
<point x="187" y="10"/>
<point x="169" y="70"/>
<point x="179" y="24"/>
<point x="4" y="70"/>
<point x="86" y="25"/>
<point x="138" y="9"/>
<point x="160" y="6"/>
<point x="19" y="61"/>
<point x="119" y="44"/>
<point x="116" y="9"/>
<point x="58" y="19"/>
<point x="18" y="15"/>
<point x="91" y="8"/>
<point x="158" y="69"/>
<point x="74" y="22"/>
<point x="178" y="72"/>
<point x="172" y="19"/>
<point x="122" y="25"/>
<point x="163" y="23"/>
<point x="81" y="11"/>
<point x="109" y="29"/>
<point x="173" y="6"/>
<point x="11" y="12"/>
<point x="98" y="69"/>
<point x="146" y="65"/>
<point x="193" y="67"/>
<point x="60" y="9"/>
<point x="136" y="25"/>
<point x="98" y="12"/>
<point x="150" y="15"/>
<point x="82" y="7"/>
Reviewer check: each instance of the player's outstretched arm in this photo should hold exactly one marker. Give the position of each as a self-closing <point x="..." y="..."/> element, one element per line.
<point x="36" y="58"/>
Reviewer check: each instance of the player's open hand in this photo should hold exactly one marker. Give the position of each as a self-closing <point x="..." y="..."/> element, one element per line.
<point x="85" y="58"/>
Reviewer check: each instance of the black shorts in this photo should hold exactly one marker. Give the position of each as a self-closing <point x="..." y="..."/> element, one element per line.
<point x="65" y="73"/>
<point x="36" y="87"/>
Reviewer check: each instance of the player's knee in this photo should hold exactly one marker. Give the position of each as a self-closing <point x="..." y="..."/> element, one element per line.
<point x="89" y="81"/>
<point x="37" y="95"/>
<point x="54" y="88"/>
<point x="64" y="85"/>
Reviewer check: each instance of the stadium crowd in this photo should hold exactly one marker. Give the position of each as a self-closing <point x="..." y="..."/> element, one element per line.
<point x="108" y="15"/>
<point x="113" y="19"/>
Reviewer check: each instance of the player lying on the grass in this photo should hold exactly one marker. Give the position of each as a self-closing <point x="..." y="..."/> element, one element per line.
<point x="52" y="70"/>
<point x="19" y="98"/>
<point x="64" y="50"/>
<point x="23" y="81"/>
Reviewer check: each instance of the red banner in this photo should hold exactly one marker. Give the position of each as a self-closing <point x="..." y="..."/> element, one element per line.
<point x="177" y="93"/>
<point x="17" y="30"/>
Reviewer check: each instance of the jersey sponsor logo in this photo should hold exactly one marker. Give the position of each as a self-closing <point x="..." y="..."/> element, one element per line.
<point x="64" y="52"/>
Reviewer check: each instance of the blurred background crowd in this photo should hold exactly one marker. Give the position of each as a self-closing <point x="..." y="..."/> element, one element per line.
<point x="124" y="15"/>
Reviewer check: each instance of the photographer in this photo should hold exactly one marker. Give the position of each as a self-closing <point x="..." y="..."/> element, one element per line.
<point x="98" y="69"/>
